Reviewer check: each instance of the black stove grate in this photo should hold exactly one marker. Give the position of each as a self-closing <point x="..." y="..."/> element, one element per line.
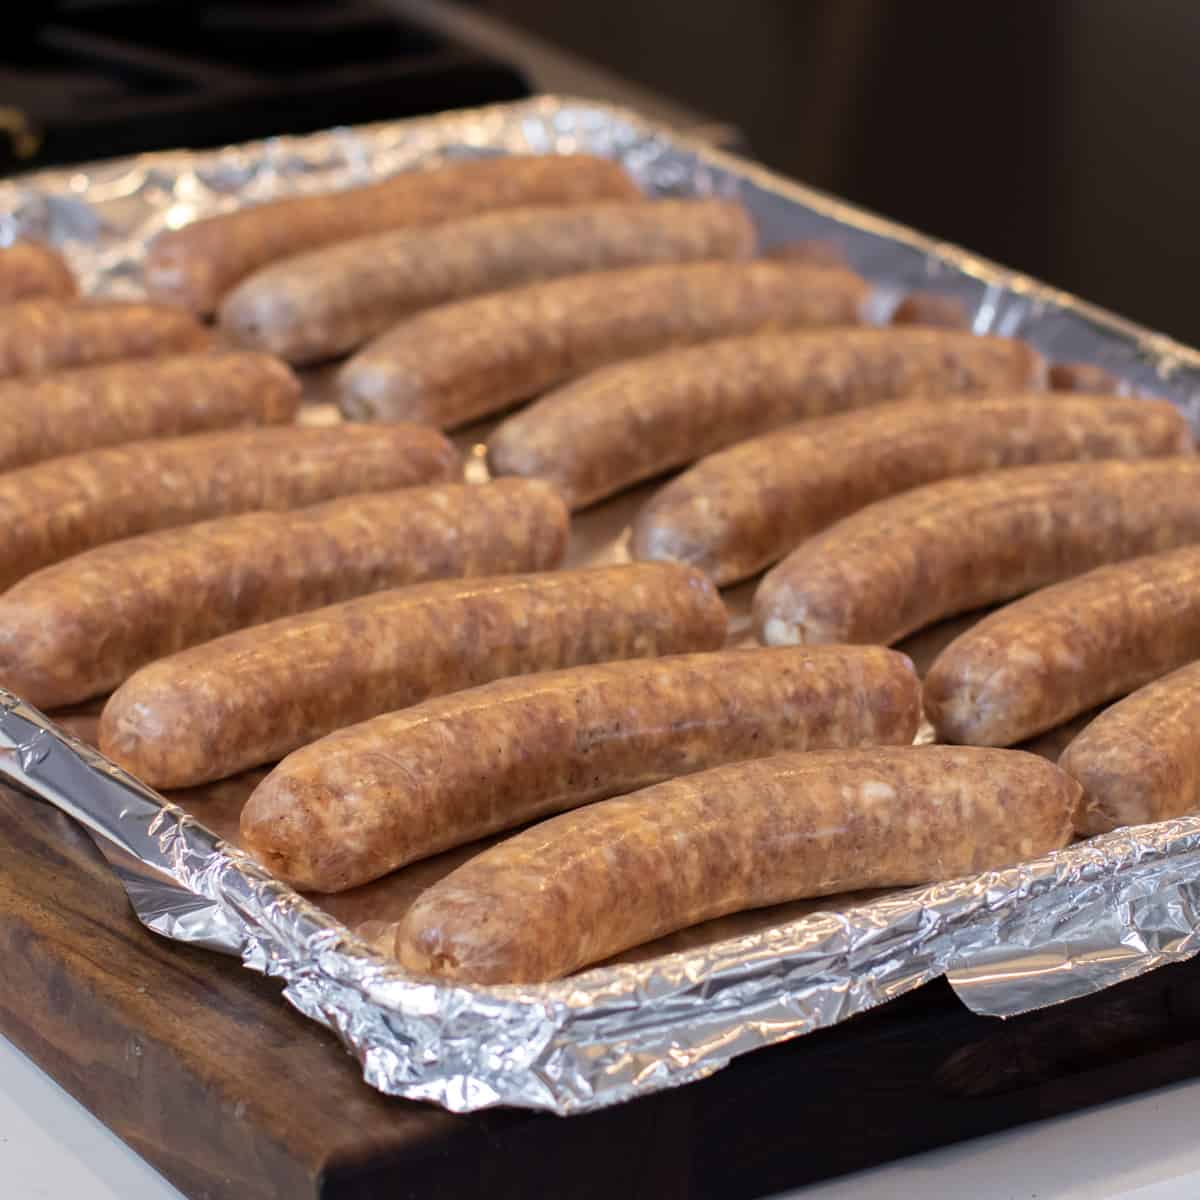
<point x="87" y="79"/>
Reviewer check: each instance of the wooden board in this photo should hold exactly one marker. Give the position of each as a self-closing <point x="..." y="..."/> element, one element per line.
<point x="202" y="1068"/>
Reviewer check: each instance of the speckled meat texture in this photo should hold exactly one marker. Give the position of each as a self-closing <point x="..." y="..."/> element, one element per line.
<point x="66" y="412"/>
<point x="373" y="797"/>
<point x="44" y="335"/>
<point x="742" y="509"/>
<point x="636" y="420"/>
<point x="902" y="563"/>
<point x="51" y="510"/>
<point x="80" y="627"/>
<point x="465" y="360"/>
<point x="317" y="305"/>
<point x="29" y="269"/>
<point x="1139" y="761"/>
<point x="254" y="696"/>
<point x="586" y="885"/>
<point x="197" y="264"/>
<point x="1064" y="649"/>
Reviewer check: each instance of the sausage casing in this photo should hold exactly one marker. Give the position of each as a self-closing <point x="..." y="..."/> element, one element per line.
<point x="375" y="796"/>
<point x="746" y="507"/>
<point x="638" y="419"/>
<point x="1064" y="649"/>
<point x="902" y="563"/>
<point x="323" y="303"/>
<point x="51" y="510"/>
<point x="197" y="264"/>
<point x="585" y="885"/>
<point x="80" y="627"/>
<point x="1139" y="760"/>
<point x="29" y="269"/>
<point x="464" y="360"/>
<point x="44" y="335"/>
<point x="256" y="695"/>
<point x="66" y="412"/>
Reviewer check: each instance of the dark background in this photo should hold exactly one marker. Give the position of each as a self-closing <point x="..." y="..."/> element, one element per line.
<point x="1055" y="136"/>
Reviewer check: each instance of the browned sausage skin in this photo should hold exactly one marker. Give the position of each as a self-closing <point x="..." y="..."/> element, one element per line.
<point x="29" y="269"/>
<point x="45" y="334"/>
<point x="66" y="412"/>
<point x="80" y="627"/>
<point x="254" y="696"/>
<point x="931" y="308"/>
<point x="1139" y="760"/>
<point x="461" y="361"/>
<point x="634" y="420"/>
<point x="1082" y="377"/>
<point x="1064" y="649"/>
<point x="744" y="508"/>
<point x="586" y="885"/>
<point x="52" y="510"/>
<point x="902" y="563"/>
<point x="375" y="796"/>
<point x="196" y="265"/>
<point x="328" y="301"/>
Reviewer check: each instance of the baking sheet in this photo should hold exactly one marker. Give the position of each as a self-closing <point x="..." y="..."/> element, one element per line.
<point x="1065" y="925"/>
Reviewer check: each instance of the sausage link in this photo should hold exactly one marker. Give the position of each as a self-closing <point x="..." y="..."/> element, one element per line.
<point x="375" y="796"/>
<point x="638" y="419"/>
<point x="464" y="360"/>
<point x="29" y="269"/>
<point x="1139" y="760"/>
<point x="741" y="510"/>
<point x="66" y="412"/>
<point x="44" y="335"/>
<point x="1064" y="649"/>
<point x="80" y="627"/>
<point x="323" y="303"/>
<point x="932" y="309"/>
<point x="1082" y="377"/>
<point x="902" y="563"/>
<point x="51" y="510"/>
<point x="586" y="885"/>
<point x="254" y="696"/>
<point x="197" y="264"/>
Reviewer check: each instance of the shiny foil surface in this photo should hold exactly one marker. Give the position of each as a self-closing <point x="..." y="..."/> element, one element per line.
<point x="1062" y="926"/>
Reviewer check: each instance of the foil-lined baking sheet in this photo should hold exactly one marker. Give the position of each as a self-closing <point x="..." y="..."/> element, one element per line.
<point x="1036" y="934"/>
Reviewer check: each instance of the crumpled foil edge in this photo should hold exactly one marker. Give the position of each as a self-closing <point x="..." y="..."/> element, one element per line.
<point x="1045" y="931"/>
<point x="1062" y="926"/>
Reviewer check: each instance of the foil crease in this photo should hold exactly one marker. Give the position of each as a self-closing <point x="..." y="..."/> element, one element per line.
<point x="1008" y="941"/>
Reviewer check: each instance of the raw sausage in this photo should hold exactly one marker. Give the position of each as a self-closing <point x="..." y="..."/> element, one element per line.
<point x="254" y="696"/>
<point x="375" y="796"/>
<point x="80" y="627"/>
<point x="902" y="563"/>
<point x="43" y="335"/>
<point x="1060" y="651"/>
<point x="82" y="409"/>
<point x="638" y="419"/>
<point x="29" y="269"/>
<point x="328" y="301"/>
<point x="585" y="885"/>
<point x="197" y="264"/>
<point x="51" y="510"/>
<point x="465" y="360"/>
<point x="1082" y="377"/>
<point x="1139" y="761"/>
<point x="742" y="509"/>
<point x="932" y="309"/>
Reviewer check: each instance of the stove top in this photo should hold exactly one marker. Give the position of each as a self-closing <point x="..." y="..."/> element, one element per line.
<point x="87" y="79"/>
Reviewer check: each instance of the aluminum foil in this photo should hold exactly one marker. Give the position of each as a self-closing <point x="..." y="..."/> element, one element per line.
<point x="1062" y="926"/>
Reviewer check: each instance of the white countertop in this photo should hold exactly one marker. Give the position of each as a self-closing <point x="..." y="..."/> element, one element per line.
<point x="1144" y="1148"/>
